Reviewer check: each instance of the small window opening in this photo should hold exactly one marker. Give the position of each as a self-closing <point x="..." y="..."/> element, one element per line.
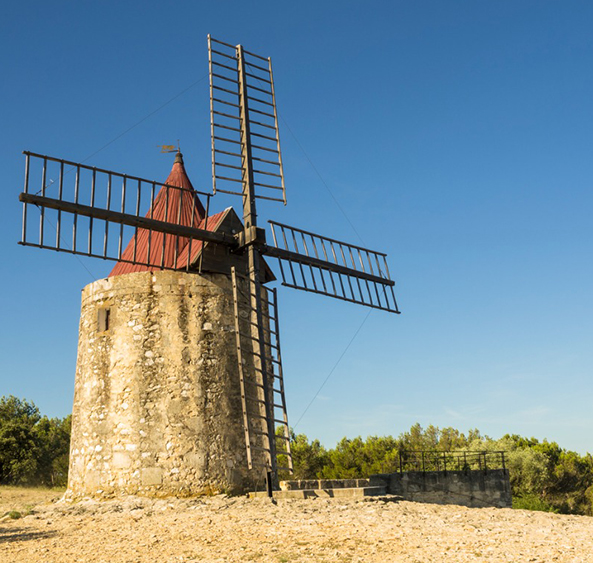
<point x="103" y="319"/>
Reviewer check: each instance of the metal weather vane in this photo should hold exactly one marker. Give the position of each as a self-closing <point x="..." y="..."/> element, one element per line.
<point x="169" y="148"/>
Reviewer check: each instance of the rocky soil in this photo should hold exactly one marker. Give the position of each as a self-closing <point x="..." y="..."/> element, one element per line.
<point x="221" y="529"/>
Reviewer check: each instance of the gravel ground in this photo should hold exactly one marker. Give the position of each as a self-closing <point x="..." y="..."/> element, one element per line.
<point x="224" y="529"/>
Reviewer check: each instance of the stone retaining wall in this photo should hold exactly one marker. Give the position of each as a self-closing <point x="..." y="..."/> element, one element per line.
<point x="467" y="488"/>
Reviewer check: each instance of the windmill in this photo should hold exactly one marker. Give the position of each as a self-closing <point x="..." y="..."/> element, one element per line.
<point x="102" y="208"/>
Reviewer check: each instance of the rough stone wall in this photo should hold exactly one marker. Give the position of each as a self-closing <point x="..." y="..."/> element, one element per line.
<point x="157" y="407"/>
<point x="475" y="489"/>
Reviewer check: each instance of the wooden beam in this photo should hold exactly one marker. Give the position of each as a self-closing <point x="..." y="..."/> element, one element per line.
<point x="132" y="220"/>
<point x="289" y="256"/>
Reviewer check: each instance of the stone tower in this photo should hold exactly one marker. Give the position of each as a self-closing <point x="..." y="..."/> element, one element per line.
<point x="157" y="406"/>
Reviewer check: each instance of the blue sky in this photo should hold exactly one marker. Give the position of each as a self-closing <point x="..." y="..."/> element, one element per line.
<point x="457" y="137"/>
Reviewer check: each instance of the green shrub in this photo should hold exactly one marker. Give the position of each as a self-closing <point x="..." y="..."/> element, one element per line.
<point x="533" y="502"/>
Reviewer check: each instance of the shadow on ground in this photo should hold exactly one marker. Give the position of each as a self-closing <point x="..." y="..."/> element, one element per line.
<point x="10" y="534"/>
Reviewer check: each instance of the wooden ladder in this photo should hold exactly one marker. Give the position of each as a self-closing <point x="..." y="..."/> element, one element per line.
<point x="259" y="361"/>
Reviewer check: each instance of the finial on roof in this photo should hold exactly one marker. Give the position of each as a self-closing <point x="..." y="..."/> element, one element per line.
<point x="178" y="158"/>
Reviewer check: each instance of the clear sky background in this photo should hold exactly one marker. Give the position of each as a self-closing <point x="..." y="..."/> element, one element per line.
<point x="457" y="137"/>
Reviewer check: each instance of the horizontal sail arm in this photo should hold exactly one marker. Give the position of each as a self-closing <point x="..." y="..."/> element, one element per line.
<point x="289" y="256"/>
<point x="128" y="219"/>
<point x="319" y="264"/>
<point x="94" y="212"/>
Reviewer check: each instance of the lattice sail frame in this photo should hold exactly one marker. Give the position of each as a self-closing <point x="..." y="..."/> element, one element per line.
<point x="236" y="96"/>
<point x="318" y="264"/>
<point x="92" y="211"/>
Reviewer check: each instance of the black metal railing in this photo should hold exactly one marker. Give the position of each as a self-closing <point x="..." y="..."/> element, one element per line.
<point x="430" y="460"/>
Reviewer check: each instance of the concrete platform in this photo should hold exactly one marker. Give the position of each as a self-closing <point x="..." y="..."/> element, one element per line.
<point x="342" y="492"/>
<point x="328" y="484"/>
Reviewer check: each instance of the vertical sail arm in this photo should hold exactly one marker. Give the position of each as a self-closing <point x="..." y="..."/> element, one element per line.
<point x="277" y="135"/>
<point x="211" y="115"/>
<point x="242" y="97"/>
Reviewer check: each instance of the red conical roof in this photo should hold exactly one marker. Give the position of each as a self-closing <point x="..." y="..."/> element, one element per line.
<point x="180" y="207"/>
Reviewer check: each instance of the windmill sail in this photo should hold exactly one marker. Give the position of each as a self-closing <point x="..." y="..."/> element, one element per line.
<point x="319" y="264"/>
<point x="92" y="212"/>
<point x="244" y="123"/>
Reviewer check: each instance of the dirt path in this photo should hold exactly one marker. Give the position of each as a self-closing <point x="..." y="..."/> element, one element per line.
<point x="237" y="529"/>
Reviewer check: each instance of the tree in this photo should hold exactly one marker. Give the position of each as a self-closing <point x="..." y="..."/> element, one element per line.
<point x="53" y="438"/>
<point x="34" y="450"/>
<point x="308" y="458"/>
<point x="18" y="444"/>
<point x="356" y="458"/>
